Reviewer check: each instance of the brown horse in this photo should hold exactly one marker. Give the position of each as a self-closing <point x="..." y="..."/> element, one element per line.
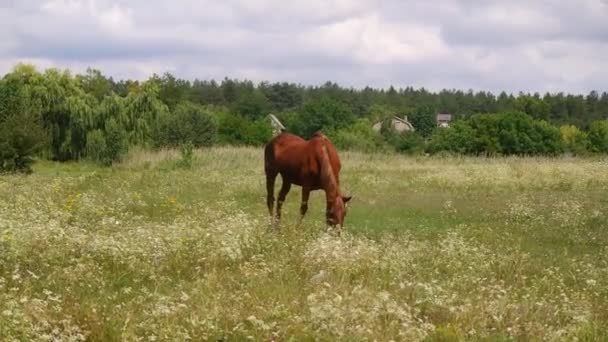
<point x="312" y="164"/>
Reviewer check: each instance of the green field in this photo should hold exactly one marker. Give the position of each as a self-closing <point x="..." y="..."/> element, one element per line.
<point x="436" y="249"/>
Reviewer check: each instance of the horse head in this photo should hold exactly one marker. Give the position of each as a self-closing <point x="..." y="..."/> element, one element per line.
<point x="336" y="211"/>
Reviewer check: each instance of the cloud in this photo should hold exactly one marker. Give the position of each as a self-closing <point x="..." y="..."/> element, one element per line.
<point x="545" y="45"/>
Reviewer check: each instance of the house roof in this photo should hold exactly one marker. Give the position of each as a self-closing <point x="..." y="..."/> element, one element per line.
<point x="444" y="117"/>
<point x="404" y="120"/>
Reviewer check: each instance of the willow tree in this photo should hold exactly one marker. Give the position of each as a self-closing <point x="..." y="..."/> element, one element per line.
<point x="143" y="108"/>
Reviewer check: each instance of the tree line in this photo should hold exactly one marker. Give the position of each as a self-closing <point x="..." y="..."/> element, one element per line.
<point x="62" y="116"/>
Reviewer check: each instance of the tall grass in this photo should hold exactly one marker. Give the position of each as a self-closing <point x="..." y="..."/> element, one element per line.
<point x="439" y="249"/>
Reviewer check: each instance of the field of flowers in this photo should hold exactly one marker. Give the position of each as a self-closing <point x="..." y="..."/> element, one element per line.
<point x="433" y="249"/>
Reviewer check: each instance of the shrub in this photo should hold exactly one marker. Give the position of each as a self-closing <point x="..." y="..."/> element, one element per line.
<point x="405" y="142"/>
<point x="598" y="136"/>
<point x="504" y="133"/>
<point x="189" y="123"/>
<point x="187" y="154"/>
<point x="237" y="130"/>
<point x="359" y="136"/>
<point x="96" y="146"/>
<point x="108" y="145"/>
<point x="21" y="138"/>
<point x="409" y="142"/>
<point x="322" y="114"/>
<point x="423" y="119"/>
<point x="573" y="139"/>
<point x="457" y="138"/>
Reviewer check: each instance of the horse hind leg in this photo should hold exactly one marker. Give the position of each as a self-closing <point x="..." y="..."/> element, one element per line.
<point x="282" y="195"/>
<point x="270" y="180"/>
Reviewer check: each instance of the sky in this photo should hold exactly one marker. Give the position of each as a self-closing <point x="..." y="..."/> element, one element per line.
<point x="517" y="45"/>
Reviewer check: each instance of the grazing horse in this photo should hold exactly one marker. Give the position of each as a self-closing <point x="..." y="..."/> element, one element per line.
<point x="312" y="164"/>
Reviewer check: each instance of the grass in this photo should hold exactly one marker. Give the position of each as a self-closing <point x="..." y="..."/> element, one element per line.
<point x="434" y="250"/>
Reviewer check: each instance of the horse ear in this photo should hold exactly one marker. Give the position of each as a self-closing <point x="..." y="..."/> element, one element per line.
<point x="345" y="199"/>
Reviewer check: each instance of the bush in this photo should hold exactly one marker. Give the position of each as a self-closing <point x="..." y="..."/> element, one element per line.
<point x="598" y="136"/>
<point x="189" y="123"/>
<point x="458" y="138"/>
<point x="503" y="134"/>
<point x="409" y="142"/>
<point x="21" y="138"/>
<point x="359" y="136"/>
<point x="187" y="154"/>
<point x="108" y="145"/>
<point x="96" y="146"/>
<point x="404" y="142"/>
<point x="322" y="114"/>
<point x="423" y="119"/>
<point x="237" y="130"/>
<point x="573" y="139"/>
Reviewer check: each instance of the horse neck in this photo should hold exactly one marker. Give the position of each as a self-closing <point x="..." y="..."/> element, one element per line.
<point x="328" y="179"/>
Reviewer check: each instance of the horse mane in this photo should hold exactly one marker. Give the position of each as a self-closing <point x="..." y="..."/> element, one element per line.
<point x="328" y="179"/>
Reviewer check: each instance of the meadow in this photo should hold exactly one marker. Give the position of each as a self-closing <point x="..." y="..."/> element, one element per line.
<point x="434" y="249"/>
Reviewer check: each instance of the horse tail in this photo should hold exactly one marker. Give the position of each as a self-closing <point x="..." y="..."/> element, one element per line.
<point x="268" y="156"/>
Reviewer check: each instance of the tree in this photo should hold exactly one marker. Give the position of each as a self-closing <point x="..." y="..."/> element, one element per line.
<point x="533" y="106"/>
<point x="458" y="138"/>
<point x="93" y="82"/>
<point x="574" y="140"/>
<point x="189" y="123"/>
<point x="503" y="133"/>
<point x="21" y="138"/>
<point x="252" y="105"/>
<point x="172" y="90"/>
<point x="236" y="130"/>
<point x="423" y="120"/>
<point x="142" y="110"/>
<point x="323" y="114"/>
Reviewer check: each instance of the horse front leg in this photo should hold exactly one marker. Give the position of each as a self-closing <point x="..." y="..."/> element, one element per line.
<point x="304" y="204"/>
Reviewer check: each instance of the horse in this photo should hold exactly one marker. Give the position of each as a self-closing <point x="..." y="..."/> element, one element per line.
<point x="312" y="164"/>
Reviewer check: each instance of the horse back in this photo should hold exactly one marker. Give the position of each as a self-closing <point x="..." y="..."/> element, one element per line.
<point x="299" y="160"/>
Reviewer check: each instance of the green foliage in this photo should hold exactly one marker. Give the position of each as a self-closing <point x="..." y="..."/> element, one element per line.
<point x="282" y="96"/>
<point x="533" y="106"/>
<point x="423" y="120"/>
<point x="458" y="138"/>
<point x="95" y="83"/>
<point x="237" y="130"/>
<point x="323" y="114"/>
<point x="252" y="105"/>
<point x="187" y="155"/>
<point x="511" y="133"/>
<point x="142" y="110"/>
<point x="573" y="139"/>
<point x="21" y="138"/>
<point x="169" y="111"/>
<point x="189" y="123"/>
<point x="96" y="146"/>
<point x="359" y="136"/>
<point x="598" y="136"/>
<point x="116" y="140"/>
<point x="108" y="145"/>
<point x="379" y="112"/>
<point x="514" y="133"/>
<point x="407" y="142"/>
<point x="410" y="142"/>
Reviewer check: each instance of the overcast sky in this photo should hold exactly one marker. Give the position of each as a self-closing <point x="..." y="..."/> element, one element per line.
<point x="529" y="45"/>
